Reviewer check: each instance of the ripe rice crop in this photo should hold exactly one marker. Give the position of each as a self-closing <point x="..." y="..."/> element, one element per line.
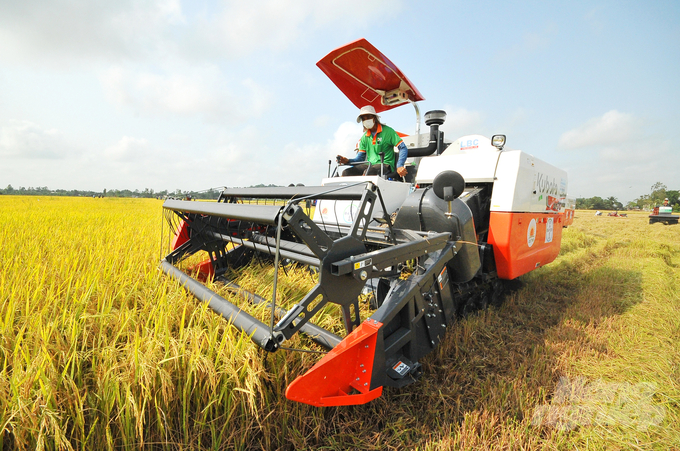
<point x="99" y="350"/>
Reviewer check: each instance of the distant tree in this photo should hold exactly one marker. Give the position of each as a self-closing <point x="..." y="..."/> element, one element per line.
<point x="612" y="203"/>
<point x="597" y="203"/>
<point x="673" y="198"/>
<point x="658" y="193"/>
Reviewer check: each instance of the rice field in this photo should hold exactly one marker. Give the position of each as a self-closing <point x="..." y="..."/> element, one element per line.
<point x="100" y="350"/>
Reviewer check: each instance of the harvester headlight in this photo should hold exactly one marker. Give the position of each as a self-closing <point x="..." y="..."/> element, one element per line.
<point x="498" y="141"/>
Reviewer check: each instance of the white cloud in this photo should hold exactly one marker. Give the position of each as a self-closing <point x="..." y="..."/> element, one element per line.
<point x="344" y="139"/>
<point x="235" y="159"/>
<point x="308" y="164"/>
<point x="625" y="172"/>
<point x="243" y="27"/>
<point x="461" y="122"/>
<point x="195" y="91"/>
<point x="619" y="157"/>
<point x="61" y="31"/>
<point x="612" y="128"/>
<point x="128" y="149"/>
<point x="26" y="140"/>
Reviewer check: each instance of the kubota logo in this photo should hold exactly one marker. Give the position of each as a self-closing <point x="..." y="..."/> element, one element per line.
<point x="545" y="186"/>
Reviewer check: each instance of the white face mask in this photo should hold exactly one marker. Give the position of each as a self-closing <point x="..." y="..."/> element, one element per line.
<point x="368" y="123"/>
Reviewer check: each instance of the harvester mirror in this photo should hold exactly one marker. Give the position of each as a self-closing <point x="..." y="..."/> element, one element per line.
<point x="448" y="185"/>
<point x="498" y="141"/>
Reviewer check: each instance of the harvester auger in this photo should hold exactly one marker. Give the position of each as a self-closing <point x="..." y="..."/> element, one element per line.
<point x="431" y="251"/>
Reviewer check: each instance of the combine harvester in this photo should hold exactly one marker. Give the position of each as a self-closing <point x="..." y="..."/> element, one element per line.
<point x="663" y="214"/>
<point x="470" y="215"/>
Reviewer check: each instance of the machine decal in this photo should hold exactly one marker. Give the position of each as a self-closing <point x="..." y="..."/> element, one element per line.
<point x="362" y="264"/>
<point x="549" y="231"/>
<point x="443" y="278"/>
<point x="469" y="144"/>
<point x="552" y="203"/>
<point x="546" y="185"/>
<point x="350" y="213"/>
<point x="401" y="368"/>
<point x="531" y="233"/>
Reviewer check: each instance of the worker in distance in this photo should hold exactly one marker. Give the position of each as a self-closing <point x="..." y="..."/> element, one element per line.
<point x="376" y="138"/>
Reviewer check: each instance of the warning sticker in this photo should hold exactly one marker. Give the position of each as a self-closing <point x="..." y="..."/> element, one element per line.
<point x="362" y="263"/>
<point x="401" y="368"/>
<point x="549" y="231"/>
<point x="443" y="278"/>
<point x="552" y="203"/>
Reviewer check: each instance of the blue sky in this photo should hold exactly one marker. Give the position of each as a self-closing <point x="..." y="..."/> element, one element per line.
<point x="168" y="94"/>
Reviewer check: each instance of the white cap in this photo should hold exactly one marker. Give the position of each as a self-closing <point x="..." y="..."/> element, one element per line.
<point x="368" y="109"/>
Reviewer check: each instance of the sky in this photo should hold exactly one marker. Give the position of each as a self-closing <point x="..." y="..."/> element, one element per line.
<point x="192" y="95"/>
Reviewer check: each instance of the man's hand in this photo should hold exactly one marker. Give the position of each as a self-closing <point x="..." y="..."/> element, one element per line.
<point x="402" y="171"/>
<point x="342" y="160"/>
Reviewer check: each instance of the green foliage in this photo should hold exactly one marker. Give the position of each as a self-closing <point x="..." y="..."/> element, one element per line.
<point x="658" y="193"/>
<point x="147" y="193"/>
<point x="597" y="203"/>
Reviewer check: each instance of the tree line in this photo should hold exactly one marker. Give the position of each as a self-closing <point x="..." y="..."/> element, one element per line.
<point x="658" y="192"/>
<point x="211" y="193"/>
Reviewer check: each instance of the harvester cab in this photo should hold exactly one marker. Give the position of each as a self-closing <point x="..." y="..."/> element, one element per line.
<point x="476" y="213"/>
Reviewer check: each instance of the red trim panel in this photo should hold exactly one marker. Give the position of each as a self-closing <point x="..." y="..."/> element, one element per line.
<point x="181" y="235"/>
<point x="205" y="269"/>
<point x="524" y="241"/>
<point x="345" y="369"/>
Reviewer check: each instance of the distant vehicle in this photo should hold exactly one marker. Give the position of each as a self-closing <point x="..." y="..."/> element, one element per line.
<point x="663" y="214"/>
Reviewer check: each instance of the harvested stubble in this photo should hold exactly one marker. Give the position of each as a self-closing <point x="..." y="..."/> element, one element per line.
<point x="100" y="351"/>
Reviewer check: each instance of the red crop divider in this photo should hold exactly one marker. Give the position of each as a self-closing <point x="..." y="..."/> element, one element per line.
<point x="346" y="368"/>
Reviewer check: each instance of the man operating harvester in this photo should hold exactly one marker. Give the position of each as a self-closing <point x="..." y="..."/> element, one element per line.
<point x="376" y="138"/>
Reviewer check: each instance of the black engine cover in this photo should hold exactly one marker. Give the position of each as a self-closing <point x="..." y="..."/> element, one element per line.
<point x="423" y="210"/>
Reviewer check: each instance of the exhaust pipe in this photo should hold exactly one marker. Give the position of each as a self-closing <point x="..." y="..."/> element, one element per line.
<point x="433" y="119"/>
